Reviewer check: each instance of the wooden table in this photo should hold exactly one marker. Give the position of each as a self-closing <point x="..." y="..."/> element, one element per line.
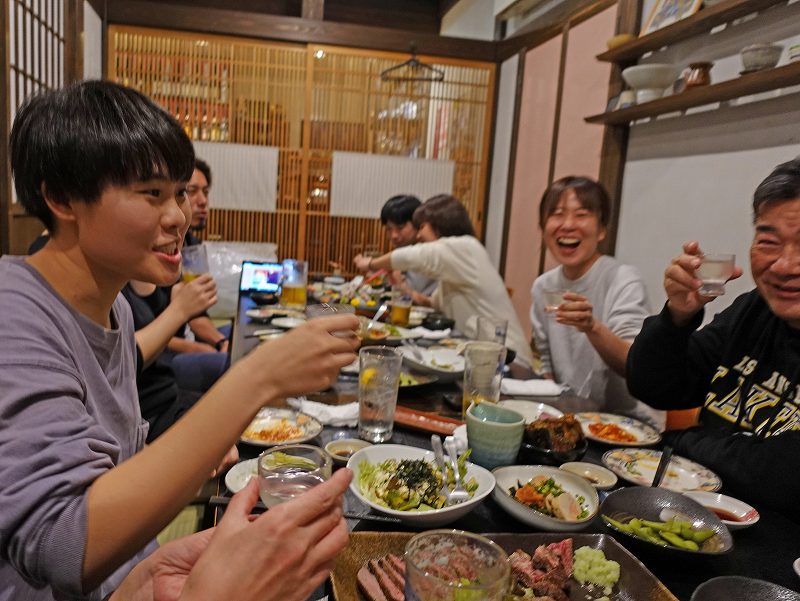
<point x="764" y="551"/>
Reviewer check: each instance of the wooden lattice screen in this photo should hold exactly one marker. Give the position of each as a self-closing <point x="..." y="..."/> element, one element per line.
<point x="308" y="101"/>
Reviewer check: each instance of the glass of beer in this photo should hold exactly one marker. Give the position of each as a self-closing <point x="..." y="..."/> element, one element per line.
<point x="293" y="284"/>
<point x="194" y="262"/>
<point x="401" y="308"/>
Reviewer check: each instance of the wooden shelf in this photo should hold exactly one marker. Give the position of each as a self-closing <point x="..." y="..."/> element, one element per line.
<point x="699" y="23"/>
<point x="751" y="83"/>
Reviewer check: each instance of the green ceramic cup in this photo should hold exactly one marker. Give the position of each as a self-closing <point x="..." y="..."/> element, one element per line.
<point x="494" y="434"/>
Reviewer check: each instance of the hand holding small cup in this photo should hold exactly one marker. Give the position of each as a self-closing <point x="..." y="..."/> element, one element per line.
<point x="686" y="293"/>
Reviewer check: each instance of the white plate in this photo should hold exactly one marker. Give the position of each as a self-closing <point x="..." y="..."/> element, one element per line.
<point x="239" y="475"/>
<point x="443" y="362"/>
<point x="796" y="566"/>
<point x="402" y="333"/>
<point x="434" y="517"/>
<point x="270" y="417"/>
<point x="645" y="435"/>
<point x="531" y="410"/>
<point x="596" y="475"/>
<point x="509" y="476"/>
<point x="639" y="466"/>
<point x="745" y="514"/>
<point x="267" y="313"/>
<point x="288" y="322"/>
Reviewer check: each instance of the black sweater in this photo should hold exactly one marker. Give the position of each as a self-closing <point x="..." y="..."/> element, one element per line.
<point x="753" y="440"/>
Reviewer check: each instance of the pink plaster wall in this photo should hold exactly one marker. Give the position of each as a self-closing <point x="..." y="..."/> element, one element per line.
<point x="536" y="122"/>
<point x="579" y="143"/>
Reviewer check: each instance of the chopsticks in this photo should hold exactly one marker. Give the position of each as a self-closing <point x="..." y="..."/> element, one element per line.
<point x="666" y="455"/>
<point x="219" y="501"/>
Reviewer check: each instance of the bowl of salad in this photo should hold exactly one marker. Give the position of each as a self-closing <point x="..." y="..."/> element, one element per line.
<point x="404" y="482"/>
<point x="546" y="497"/>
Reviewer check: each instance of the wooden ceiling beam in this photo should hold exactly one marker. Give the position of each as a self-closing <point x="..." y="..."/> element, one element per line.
<point x="144" y="13"/>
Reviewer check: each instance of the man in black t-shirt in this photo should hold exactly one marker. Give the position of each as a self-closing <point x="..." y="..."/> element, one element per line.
<point x="743" y="368"/>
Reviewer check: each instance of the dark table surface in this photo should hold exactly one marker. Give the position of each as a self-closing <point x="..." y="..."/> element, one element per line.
<point x="765" y="550"/>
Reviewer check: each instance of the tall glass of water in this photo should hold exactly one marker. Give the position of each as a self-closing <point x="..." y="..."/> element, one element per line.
<point x="714" y="271"/>
<point x="378" y="381"/>
<point x="287" y="471"/>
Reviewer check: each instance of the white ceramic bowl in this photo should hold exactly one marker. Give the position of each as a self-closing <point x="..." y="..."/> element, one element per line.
<point x="509" y="476"/>
<point x="761" y="56"/>
<point x="652" y="76"/>
<point x="239" y="475"/>
<point x="745" y="514"/>
<point x="796" y="566"/>
<point x="598" y="476"/>
<point x="419" y="519"/>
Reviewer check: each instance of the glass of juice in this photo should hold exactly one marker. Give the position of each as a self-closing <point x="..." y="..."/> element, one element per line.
<point x="401" y="308"/>
<point x="194" y="262"/>
<point x="287" y="471"/>
<point x="293" y="284"/>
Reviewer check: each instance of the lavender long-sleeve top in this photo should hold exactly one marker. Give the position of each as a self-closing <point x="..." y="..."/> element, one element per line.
<point x="68" y="413"/>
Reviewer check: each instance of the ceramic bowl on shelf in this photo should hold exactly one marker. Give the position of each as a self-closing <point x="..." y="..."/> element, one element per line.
<point x="655" y="76"/>
<point x="760" y="56"/>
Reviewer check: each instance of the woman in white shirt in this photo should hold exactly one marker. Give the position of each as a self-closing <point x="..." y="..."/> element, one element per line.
<point x="469" y="285"/>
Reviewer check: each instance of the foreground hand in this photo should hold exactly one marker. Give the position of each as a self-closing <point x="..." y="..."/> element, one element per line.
<point x="231" y="457"/>
<point x="576" y="311"/>
<point x="192" y="298"/>
<point x="283" y="555"/>
<point x="305" y="360"/>
<point x="362" y="263"/>
<point x="681" y="284"/>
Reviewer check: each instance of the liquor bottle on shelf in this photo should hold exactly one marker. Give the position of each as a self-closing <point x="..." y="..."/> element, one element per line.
<point x="187" y="123"/>
<point x="205" y="132"/>
<point x="223" y="86"/>
<point x="195" y="126"/>
<point x="223" y="129"/>
<point x="214" y="135"/>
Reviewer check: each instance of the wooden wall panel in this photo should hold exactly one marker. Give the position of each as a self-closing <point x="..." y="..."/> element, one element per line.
<point x="309" y="101"/>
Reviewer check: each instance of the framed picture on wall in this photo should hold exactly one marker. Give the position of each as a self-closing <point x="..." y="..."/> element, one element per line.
<point x="667" y="12"/>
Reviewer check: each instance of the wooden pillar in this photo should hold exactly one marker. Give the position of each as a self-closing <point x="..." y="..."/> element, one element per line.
<point x="5" y="126"/>
<point x="73" y="41"/>
<point x="614" y="150"/>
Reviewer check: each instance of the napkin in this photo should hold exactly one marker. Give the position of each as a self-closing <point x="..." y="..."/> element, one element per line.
<point x="430" y="334"/>
<point x="530" y="387"/>
<point x="327" y="415"/>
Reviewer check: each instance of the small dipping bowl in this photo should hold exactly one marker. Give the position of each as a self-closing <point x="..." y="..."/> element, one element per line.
<point x="735" y="514"/>
<point x="598" y="476"/>
<point x="341" y="450"/>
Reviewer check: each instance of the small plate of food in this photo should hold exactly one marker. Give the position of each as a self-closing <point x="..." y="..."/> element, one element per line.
<point x="546" y="497"/>
<point x="272" y="426"/>
<point x="446" y="363"/>
<point x="618" y="430"/>
<point x="553" y="441"/>
<point x="735" y="514"/>
<point x="639" y="466"/>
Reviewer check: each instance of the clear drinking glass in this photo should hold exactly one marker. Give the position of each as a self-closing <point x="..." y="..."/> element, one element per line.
<point x="293" y="284"/>
<point x="287" y="471"/>
<point x="483" y="372"/>
<point x="194" y="262"/>
<point x="552" y="299"/>
<point x="490" y="329"/>
<point x="401" y="308"/>
<point x="450" y="565"/>
<point x="715" y="270"/>
<point x="379" y="378"/>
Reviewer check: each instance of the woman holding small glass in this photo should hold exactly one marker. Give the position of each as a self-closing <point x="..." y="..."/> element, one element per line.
<point x="583" y="338"/>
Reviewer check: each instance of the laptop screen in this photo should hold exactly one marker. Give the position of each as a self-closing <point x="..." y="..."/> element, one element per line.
<point x="260" y="277"/>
